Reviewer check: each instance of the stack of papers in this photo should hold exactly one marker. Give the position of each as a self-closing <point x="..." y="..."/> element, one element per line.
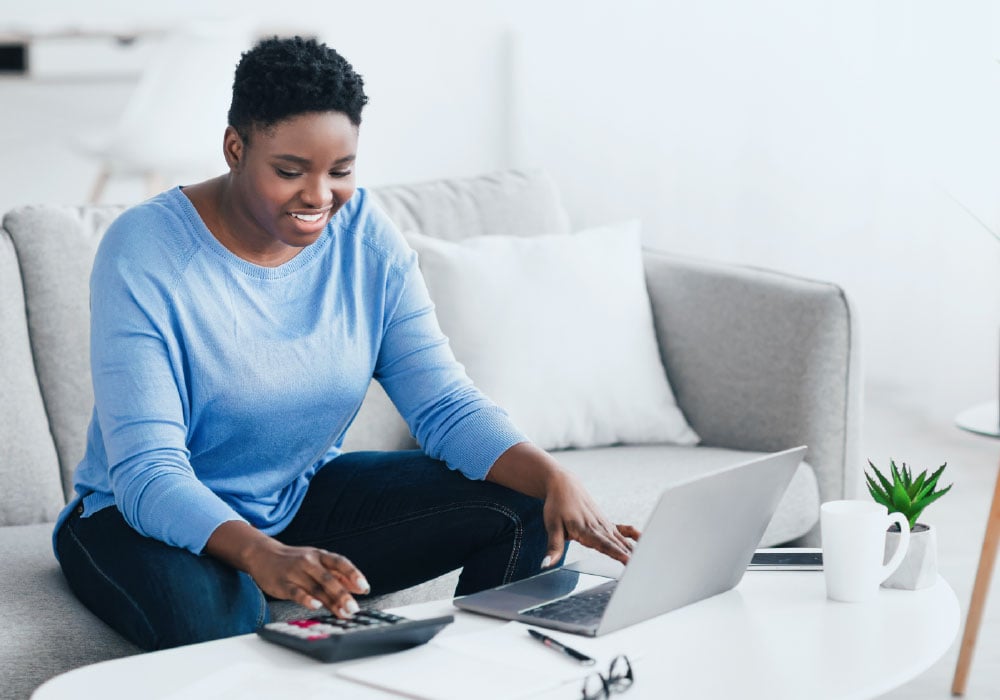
<point x="494" y="664"/>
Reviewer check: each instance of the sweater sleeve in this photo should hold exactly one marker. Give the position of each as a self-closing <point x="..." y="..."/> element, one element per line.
<point x="140" y="399"/>
<point x="451" y="419"/>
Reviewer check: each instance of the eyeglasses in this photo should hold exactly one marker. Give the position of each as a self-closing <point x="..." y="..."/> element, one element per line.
<point x="597" y="686"/>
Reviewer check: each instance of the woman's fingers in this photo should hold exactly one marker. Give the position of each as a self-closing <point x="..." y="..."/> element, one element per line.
<point x="348" y="574"/>
<point x="620" y="533"/>
<point x="600" y="536"/>
<point x="616" y="541"/>
<point x="628" y="531"/>
<point x="571" y="512"/>
<point x="333" y="579"/>
<point x="306" y="600"/>
<point x="607" y="545"/>
<point x="341" y="604"/>
<point x="556" y="541"/>
<point x="314" y="578"/>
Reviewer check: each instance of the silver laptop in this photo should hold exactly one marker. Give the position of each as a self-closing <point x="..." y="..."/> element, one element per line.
<point x="697" y="543"/>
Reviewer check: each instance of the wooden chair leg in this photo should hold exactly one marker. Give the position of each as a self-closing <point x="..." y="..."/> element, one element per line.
<point x="99" y="184"/>
<point x="984" y="574"/>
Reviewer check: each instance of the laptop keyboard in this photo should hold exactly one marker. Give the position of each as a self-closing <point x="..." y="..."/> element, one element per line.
<point x="586" y="608"/>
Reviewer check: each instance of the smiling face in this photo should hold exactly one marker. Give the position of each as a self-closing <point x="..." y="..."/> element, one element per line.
<point x="286" y="182"/>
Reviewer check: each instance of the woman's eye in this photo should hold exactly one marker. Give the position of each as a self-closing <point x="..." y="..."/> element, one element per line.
<point x="286" y="173"/>
<point x="340" y="173"/>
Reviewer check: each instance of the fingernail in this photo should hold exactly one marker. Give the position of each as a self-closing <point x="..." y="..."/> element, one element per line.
<point x="315" y="604"/>
<point x="352" y="607"/>
<point x="363" y="584"/>
<point x="546" y="562"/>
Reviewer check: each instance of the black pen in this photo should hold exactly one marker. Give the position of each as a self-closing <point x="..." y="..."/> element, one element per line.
<point x="558" y="646"/>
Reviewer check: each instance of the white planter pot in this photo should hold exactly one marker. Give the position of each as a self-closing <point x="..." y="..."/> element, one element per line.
<point x="919" y="567"/>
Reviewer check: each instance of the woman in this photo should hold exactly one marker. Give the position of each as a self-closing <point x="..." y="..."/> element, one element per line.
<point x="236" y="324"/>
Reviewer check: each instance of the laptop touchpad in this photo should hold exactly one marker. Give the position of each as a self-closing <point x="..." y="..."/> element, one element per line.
<point x="555" y="584"/>
<point x="532" y="591"/>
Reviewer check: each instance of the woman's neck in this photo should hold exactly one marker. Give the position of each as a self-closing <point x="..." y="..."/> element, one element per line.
<point x="219" y="205"/>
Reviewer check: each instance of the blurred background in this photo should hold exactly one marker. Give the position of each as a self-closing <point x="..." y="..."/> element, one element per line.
<point x="854" y="142"/>
<point x="838" y="140"/>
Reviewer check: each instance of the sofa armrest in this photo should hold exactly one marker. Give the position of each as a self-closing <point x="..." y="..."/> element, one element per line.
<point x="762" y="361"/>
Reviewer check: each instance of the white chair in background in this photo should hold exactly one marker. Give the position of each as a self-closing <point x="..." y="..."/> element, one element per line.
<point x="173" y="123"/>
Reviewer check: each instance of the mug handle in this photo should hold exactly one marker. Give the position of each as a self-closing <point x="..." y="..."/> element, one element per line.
<point x="904" y="543"/>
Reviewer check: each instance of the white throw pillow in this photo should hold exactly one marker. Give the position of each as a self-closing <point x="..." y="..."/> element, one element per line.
<point x="558" y="331"/>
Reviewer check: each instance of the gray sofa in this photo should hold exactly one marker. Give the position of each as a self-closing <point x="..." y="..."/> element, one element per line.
<point x="758" y="361"/>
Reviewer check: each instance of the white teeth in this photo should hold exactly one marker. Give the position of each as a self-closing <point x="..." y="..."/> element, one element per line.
<point x="308" y="217"/>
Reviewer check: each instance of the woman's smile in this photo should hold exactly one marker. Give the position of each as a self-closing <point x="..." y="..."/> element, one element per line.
<point x="311" y="223"/>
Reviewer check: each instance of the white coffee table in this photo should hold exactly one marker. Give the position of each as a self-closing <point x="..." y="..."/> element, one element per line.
<point x="774" y="636"/>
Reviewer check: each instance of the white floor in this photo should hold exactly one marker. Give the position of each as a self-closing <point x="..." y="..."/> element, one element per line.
<point x="899" y="432"/>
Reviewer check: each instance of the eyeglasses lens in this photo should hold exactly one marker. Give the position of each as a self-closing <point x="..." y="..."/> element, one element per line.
<point x="597" y="686"/>
<point x="620" y="674"/>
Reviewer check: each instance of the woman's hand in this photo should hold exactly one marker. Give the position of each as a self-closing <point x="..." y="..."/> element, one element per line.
<point x="311" y="577"/>
<point x="569" y="512"/>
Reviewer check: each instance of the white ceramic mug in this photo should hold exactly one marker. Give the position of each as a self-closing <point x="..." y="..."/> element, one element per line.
<point x="854" y="546"/>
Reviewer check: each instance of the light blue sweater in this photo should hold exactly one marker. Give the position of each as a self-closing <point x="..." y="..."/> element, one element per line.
<point x="221" y="387"/>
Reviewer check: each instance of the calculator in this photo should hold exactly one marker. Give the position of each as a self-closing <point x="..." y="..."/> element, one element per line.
<point x="369" y="632"/>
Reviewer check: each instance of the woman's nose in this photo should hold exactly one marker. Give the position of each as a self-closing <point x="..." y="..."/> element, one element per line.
<point x="316" y="193"/>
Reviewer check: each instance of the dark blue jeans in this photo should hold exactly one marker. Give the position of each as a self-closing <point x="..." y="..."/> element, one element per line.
<point x="401" y="517"/>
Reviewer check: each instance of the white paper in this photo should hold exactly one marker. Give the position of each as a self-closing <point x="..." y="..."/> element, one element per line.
<point x="512" y="643"/>
<point x="433" y="672"/>
<point x="244" y="680"/>
<point x="496" y="663"/>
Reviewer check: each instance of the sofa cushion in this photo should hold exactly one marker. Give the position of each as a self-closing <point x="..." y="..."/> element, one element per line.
<point x="558" y="331"/>
<point x="522" y="202"/>
<point x="649" y="469"/>
<point x="45" y="630"/>
<point x="55" y="248"/>
<point x="29" y="468"/>
<point x="378" y="425"/>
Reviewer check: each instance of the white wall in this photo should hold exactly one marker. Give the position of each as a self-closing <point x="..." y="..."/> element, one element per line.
<point x="815" y="137"/>
<point x="436" y="107"/>
<point x="818" y="138"/>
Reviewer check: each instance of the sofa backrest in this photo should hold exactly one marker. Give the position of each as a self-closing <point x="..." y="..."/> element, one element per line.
<point x="510" y="203"/>
<point x="55" y="248"/>
<point x="30" y="487"/>
<point x="46" y="253"/>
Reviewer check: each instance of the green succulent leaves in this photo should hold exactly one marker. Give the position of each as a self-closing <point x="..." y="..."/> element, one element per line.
<point x="904" y="494"/>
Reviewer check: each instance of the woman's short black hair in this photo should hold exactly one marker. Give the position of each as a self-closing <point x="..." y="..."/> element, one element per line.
<point x="284" y="77"/>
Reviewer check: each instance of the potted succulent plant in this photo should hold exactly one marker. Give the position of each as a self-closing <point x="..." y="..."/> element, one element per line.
<point x="910" y="496"/>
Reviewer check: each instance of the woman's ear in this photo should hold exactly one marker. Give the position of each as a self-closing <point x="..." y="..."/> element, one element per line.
<point x="233" y="148"/>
